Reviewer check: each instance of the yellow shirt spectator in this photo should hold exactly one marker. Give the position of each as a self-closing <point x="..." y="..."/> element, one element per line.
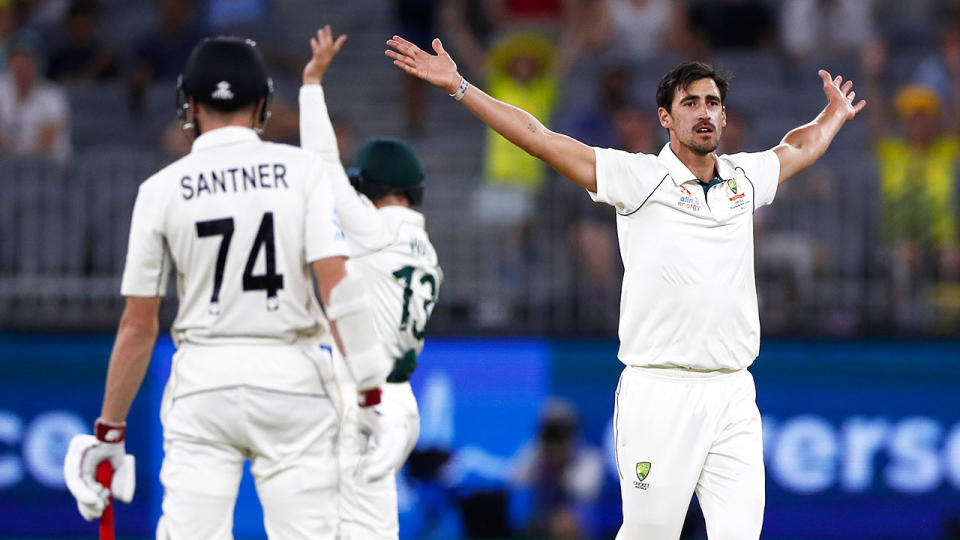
<point x="918" y="187"/>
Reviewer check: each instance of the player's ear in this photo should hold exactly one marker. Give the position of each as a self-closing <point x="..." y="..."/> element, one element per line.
<point x="664" y="116"/>
<point x="723" y="116"/>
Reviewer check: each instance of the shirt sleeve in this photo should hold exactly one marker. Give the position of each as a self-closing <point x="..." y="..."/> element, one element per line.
<point x="316" y="130"/>
<point x="363" y="225"/>
<point x="147" y="267"/>
<point x="625" y="180"/>
<point x="762" y="170"/>
<point x="323" y="236"/>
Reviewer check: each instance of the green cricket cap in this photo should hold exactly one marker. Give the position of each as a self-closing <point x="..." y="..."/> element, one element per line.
<point x="388" y="160"/>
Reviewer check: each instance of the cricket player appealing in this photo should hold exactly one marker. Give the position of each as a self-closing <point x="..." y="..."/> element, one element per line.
<point x="247" y="225"/>
<point x="391" y="252"/>
<point x="685" y="414"/>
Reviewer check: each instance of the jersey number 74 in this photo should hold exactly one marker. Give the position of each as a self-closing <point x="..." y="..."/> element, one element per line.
<point x="269" y="281"/>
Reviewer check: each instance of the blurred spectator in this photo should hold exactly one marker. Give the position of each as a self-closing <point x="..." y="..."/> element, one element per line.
<point x="941" y="69"/>
<point x="161" y="54"/>
<point x="344" y="130"/>
<point x="639" y="29"/>
<point x="80" y="55"/>
<point x="906" y="25"/>
<point x="633" y="130"/>
<point x="546" y="16"/>
<point x="34" y="113"/>
<point x="231" y="16"/>
<point x="417" y="22"/>
<point x="918" y="166"/>
<point x="8" y="26"/>
<point x="592" y="234"/>
<point x="43" y="14"/>
<point x="525" y="69"/>
<point x="818" y="28"/>
<point x="734" y="24"/>
<point x="563" y="474"/>
<point x="593" y="123"/>
<point x="736" y="134"/>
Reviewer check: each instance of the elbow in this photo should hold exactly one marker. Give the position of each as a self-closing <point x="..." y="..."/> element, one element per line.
<point x="140" y="329"/>
<point x="138" y="325"/>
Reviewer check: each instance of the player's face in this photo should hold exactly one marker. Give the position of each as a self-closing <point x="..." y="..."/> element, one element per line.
<point x="696" y="117"/>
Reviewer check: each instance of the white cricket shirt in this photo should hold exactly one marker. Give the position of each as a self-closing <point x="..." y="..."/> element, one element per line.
<point x="241" y="219"/>
<point x="389" y="247"/>
<point x="689" y="296"/>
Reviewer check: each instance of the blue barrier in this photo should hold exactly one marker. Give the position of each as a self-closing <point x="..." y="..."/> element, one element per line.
<point x="862" y="439"/>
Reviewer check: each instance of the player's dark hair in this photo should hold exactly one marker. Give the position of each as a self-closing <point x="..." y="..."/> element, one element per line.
<point x="686" y="74"/>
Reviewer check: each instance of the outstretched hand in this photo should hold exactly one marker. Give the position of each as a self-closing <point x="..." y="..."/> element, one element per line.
<point x="439" y="69"/>
<point x="324" y="49"/>
<point x="840" y="98"/>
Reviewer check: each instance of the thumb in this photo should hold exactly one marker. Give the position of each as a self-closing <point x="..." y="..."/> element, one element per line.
<point x="438" y="47"/>
<point x="825" y="75"/>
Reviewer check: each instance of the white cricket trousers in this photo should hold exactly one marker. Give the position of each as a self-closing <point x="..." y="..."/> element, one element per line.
<point x="679" y="431"/>
<point x="269" y="404"/>
<point x="368" y="510"/>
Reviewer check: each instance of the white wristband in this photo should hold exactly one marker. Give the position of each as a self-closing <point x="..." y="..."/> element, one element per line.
<point x="461" y="90"/>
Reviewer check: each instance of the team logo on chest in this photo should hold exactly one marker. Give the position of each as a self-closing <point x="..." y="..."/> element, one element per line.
<point x="738" y="199"/>
<point x="688" y="201"/>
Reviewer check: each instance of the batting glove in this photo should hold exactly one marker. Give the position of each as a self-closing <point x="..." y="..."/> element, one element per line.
<point x="390" y="428"/>
<point x="84" y="454"/>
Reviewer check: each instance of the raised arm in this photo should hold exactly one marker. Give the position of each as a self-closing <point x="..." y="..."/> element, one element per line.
<point x="804" y="145"/>
<point x="316" y="130"/>
<point x="361" y="221"/>
<point x="568" y="156"/>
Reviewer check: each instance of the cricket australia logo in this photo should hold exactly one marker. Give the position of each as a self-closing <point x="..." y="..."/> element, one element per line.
<point x="643" y="469"/>
<point x="732" y="184"/>
<point x="223" y="91"/>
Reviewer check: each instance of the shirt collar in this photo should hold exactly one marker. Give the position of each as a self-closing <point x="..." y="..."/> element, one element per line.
<point x="223" y="136"/>
<point x="681" y="174"/>
<point x="405" y="214"/>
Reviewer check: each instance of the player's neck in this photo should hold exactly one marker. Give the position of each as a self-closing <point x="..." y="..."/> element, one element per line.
<point x="703" y="166"/>
<point x="392" y="200"/>
<point x="211" y="124"/>
<point x="211" y="120"/>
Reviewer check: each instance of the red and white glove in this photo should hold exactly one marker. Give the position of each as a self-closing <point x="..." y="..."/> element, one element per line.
<point x="390" y="425"/>
<point x="80" y="468"/>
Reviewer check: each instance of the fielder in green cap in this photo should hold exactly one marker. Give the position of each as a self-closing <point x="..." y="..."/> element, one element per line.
<point x="392" y="253"/>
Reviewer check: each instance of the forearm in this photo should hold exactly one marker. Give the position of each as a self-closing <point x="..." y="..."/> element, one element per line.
<point x="567" y="156"/>
<point x="128" y="365"/>
<point x="809" y="141"/>
<point x="316" y="129"/>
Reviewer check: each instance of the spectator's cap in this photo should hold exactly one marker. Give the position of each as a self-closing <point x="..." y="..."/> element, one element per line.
<point x="386" y="164"/>
<point x="226" y="73"/>
<point x="916" y="98"/>
<point x="27" y="42"/>
<point x="528" y="44"/>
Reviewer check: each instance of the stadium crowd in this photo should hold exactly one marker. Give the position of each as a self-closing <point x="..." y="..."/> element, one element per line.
<point x="865" y="242"/>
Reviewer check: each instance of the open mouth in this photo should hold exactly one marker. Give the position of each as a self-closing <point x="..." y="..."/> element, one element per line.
<point x="704" y="128"/>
